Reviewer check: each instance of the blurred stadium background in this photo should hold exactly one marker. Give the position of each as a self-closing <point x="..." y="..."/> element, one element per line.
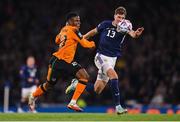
<point x="149" y="70"/>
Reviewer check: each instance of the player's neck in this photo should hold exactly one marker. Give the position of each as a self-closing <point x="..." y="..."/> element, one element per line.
<point x="114" y="23"/>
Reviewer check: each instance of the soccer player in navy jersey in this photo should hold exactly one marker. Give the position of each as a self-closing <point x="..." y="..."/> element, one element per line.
<point x="29" y="80"/>
<point x="108" y="51"/>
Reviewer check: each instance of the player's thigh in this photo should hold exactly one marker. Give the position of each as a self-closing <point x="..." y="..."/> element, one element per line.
<point x="33" y="88"/>
<point x="98" y="61"/>
<point x="25" y="93"/>
<point x="75" y="70"/>
<point x="104" y="63"/>
<point x="82" y="74"/>
<point x="53" y="70"/>
<point x="72" y="69"/>
<point x="111" y="73"/>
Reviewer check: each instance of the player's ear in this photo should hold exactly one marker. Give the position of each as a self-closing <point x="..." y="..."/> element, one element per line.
<point x="70" y="21"/>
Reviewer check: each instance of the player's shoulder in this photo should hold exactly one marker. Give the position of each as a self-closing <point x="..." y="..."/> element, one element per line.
<point x="105" y="23"/>
<point x="23" y="67"/>
<point x="72" y="29"/>
<point x="69" y="28"/>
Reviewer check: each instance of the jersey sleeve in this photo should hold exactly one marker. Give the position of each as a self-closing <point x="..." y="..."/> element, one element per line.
<point x="78" y="37"/>
<point x="101" y="26"/>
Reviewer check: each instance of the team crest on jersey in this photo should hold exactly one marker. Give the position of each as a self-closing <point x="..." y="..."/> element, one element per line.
<point x="32" y="72"/>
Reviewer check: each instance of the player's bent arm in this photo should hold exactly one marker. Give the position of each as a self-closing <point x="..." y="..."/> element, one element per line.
<point x="132" y="34"/>
<point x="90" y="33"/>
<point x="84" y="43"/>
<point x="137" y="33"/>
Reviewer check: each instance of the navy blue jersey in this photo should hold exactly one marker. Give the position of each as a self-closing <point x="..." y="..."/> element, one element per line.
<point x="110" y="40"/>
<point x="28" y="73"/>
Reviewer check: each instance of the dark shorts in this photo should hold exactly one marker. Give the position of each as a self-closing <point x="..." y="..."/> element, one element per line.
<point x="61" y="68"/>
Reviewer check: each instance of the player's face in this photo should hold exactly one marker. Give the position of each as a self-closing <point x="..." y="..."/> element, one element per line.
<point x="118" y="18"/>
<point x="30" y="61"/>
<point x="76" y="21"/>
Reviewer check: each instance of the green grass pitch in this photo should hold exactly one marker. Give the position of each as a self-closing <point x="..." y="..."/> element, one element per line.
<point x="86" y="117"/>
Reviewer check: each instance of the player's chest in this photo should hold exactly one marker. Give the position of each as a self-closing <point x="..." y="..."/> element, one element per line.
<point x="111" y="33"/>
<point x="31" y="72"/>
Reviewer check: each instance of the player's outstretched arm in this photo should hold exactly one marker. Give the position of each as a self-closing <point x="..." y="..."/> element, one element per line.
<point x="137" y="33"/>
<point x="90" y="33"/>
<point x="87" y="44"/>
<point x="84" y="42"/>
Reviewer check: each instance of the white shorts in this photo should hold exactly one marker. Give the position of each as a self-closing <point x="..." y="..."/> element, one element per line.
<point x="25" y="92"/>
<point x="104" y="63"/>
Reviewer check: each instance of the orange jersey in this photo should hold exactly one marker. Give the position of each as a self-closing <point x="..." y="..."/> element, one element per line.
<point x="67" y="39"/>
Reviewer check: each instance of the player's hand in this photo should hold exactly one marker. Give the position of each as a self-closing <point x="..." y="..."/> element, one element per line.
<point x="139" y="31"/>
<point x="36" y="81"/>
<point x="92" y="44"/>
<point x="30" y="80"/>
<point x="85" y="37"/>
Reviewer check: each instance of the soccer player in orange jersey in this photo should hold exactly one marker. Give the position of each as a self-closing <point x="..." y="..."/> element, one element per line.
<point x="62" y="61"/>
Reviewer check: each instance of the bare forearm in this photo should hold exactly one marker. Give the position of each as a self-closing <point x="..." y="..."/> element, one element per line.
<point x="133" y="34"/>
<point x="90" y="34"/>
